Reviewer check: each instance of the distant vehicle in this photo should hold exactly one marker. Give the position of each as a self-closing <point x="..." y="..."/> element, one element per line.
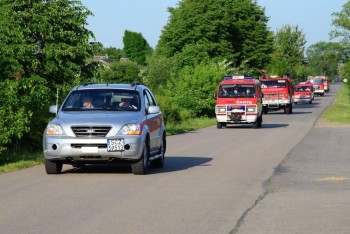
<point x="123" y="124"/>
<point x="317" y="81"/>
<point x="326" y="83"/>
<point x="239" y="101"/>
<point x="303" y="93"/>
<point x="278" y="93"/>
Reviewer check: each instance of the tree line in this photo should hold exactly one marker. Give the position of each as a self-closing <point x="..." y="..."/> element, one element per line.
<point x="45" y="50"/>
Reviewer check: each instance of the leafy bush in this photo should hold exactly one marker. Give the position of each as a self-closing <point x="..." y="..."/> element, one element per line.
<point x="194" y="89"/>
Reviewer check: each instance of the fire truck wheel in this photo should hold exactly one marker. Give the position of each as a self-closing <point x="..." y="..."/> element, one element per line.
<point x="218" y="125"/>
<point x="288" y="109"/>
<point x="265" y="110"/>
<point x="310" y="102"/>
<point x="259" y="121"/>
<point x="256" y="124"/>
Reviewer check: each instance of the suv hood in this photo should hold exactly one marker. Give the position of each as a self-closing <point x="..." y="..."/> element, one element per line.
<point x="97" y="117"/>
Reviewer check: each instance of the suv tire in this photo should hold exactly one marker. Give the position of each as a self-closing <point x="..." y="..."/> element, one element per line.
<point x="159" y="162"/>
<point x="53" y="167"/>
<point x="141" y="166"/>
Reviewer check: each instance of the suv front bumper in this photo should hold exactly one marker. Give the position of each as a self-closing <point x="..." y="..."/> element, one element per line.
<point x="82" y="149"/>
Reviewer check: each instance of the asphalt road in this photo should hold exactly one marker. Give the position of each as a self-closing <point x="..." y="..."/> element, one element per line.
<point x="212" y="182"/>
<point x="309" y="192"/>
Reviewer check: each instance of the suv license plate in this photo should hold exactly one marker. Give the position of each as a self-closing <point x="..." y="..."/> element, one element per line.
<point x="114" y="145"/>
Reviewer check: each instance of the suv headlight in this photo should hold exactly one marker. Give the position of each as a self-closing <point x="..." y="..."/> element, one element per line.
<point x="130" y="129"/>
<point x="54" y="129"/>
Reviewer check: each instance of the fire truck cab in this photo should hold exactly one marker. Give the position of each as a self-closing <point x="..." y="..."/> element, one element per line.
<point x="303" y="93"/>
<point x="317" y="82"/>
<point x="239" y="101"/>
<point x="278" y="94"/>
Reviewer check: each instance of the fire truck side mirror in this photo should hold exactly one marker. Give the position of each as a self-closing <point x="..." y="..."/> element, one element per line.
<point x="214" y="95"/>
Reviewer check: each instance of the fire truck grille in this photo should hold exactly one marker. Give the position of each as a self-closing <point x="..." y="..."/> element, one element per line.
<point x="89" y="131"/>
<point x="235" y="117"/>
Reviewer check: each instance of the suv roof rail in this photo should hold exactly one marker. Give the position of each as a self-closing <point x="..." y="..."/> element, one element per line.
<point x="88" y="83"/>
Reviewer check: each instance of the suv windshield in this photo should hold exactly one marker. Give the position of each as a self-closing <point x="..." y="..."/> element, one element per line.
<point x="102" y="99"/>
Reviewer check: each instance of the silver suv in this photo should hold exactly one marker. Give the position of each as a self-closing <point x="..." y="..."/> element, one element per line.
<point x="106" y="123"/>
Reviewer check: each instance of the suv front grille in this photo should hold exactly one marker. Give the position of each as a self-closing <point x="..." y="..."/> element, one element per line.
<point x="89" y="131"/>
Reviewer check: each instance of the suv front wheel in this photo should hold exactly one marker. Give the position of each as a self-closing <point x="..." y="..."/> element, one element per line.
<point x="52" y="167"/>
<point x="140" y="167"/>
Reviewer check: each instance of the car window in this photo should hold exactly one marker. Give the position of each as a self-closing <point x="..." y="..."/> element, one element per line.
<point x="150" y="97"/>
<point x="102" y="99"/>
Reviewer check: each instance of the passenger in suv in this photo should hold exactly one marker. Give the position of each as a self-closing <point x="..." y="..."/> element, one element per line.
<point x="106" y="133"/>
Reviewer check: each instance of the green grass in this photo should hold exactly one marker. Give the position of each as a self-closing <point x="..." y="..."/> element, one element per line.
<point x="13" y="161"/>
<point x="189" y="125"/>
<point x="339" y="112"/>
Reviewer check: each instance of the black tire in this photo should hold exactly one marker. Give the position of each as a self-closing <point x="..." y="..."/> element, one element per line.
<point x="256" y="124"/>
<point x="259" y="121"/>
<point x="310" y="102"/>
<point x="159" y="162"/>
<point x="141" y="166"/>
<point x="290" y="111"/>
<point x="218" y="125"/>
<point x="52" y="167"/>
<point x="265" y="110"/>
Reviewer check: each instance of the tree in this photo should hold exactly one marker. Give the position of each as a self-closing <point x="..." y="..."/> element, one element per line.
<point x="43" y="44"/>
<point x="121" y="72"/>
<point x="113" y="53"/>
<point x="44" y="38"/>
<point x="289" y="43"/>
<point x="194" y="90"/>
<point x="324" y="58"/>
<point x="232" y="30"/>
<point x="136" y="48"/>
<point x="342" y="23"/>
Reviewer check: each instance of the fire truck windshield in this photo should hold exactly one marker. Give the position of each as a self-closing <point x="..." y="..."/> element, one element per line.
<point x="273" y="84"/>
<point x="236" y="90"/>
<point x="317" y="81"/>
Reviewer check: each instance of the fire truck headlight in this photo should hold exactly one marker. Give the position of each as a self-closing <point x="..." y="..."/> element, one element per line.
<point x="220" y="109"/>
<point x="251" y="109"/>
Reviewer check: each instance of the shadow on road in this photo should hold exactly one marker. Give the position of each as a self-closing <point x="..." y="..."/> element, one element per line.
<point x="171" y="163"/>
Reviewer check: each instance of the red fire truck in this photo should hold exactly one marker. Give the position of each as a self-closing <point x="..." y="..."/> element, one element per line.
<point x="278" y="93"/>
<point x="318" y="84"/>
<point x="303" y="93"/>
<point x="326" y="83"/>
<point x="239" y="101"/>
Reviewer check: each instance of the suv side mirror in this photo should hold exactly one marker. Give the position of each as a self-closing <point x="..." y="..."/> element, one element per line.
<point x="153" y="109"/>
<point x="53" y="109"/>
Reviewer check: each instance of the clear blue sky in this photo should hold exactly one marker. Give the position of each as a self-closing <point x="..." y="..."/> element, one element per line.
<point x="148" y="17"/>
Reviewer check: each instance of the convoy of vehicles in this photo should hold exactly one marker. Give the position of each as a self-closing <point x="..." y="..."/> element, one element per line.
<point x="239" y="101"/>
<point x="106" y="130"/>
<point x="123" y="123"/>
<point x="278" y="94"/>
<point x="318" y="83"/>
<point x="303" y="93"/>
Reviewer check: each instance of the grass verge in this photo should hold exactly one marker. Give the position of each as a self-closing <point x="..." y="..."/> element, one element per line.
<point x="13" y="161"/>
<point x="339" y="112"/>
<point x="189" y="125"/>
